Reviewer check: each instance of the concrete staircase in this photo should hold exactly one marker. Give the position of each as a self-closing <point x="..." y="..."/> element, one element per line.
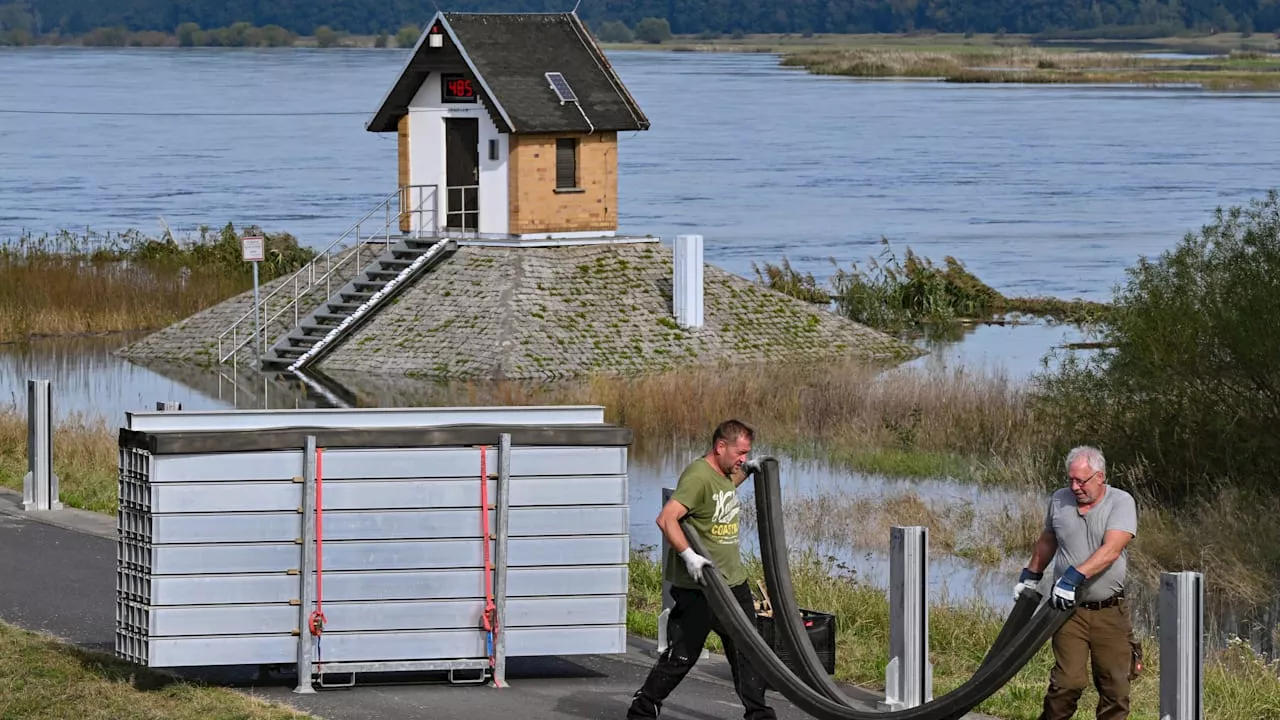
<point x="355" y="302"/>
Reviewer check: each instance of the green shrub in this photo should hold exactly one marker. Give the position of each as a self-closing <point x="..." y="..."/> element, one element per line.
<point x="1189" y="389"/>
<point x="653" y="30"/>
<point x="407" y="36"/>
<point x="615" y="31"/>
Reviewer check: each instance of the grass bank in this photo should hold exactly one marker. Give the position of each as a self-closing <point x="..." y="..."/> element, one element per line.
<point x="71" y="284"/>
<point x="1241" y="70"/>
<point x="1238" y="684"/>
<point x="44" y="679"/>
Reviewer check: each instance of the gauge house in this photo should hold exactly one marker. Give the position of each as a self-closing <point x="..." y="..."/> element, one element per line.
<point x="508" y="126"/>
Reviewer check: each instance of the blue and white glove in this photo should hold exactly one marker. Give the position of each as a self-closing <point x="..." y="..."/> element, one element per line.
<point x="1064" y="592"/>
<point x="1026" y="581"/>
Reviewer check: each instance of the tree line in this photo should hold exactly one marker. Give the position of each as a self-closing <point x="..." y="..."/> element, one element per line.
<point x="686" y="17"/>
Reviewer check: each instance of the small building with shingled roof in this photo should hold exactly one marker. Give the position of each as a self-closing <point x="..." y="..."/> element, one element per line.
<point x="513" y="121"/>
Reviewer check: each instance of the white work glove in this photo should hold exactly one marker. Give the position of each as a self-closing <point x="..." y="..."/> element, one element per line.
<point x="695" y="563"/>
<point x="1027" y="581"/>
<point x="751" y="466"/>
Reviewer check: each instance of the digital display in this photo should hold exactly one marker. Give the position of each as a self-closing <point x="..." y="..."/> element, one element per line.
<point x="457" y="88"/>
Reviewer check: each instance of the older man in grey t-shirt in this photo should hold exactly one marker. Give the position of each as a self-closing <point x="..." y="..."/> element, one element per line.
<point x="1087" y="529"/>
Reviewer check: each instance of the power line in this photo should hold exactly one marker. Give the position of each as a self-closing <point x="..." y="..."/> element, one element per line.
<point x="176" y="114"/>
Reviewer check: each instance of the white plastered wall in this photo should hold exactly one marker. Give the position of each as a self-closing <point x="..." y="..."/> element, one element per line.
<point x="427" y="148"/>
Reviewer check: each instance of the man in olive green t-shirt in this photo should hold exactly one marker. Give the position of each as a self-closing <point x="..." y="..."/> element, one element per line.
<point x="707" y="497"/>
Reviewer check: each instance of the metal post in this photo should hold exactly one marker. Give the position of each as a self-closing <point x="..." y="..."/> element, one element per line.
<point x="257" y="314"/>
<point x="500" y="559"/>
<point x="1181" y="646"/>
<point x="667" y="600"/>
<point x="40" y="486"/>
<point x="909" y="676"/>
<point x="306" y="577"/>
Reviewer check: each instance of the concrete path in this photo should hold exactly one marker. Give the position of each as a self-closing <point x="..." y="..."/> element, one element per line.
<point x="59" y="577"/>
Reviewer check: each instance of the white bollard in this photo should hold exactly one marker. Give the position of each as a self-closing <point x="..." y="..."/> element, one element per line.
<point x="667" y="601"/>
<point x="909" y="676"/>
<point x="40" y="486"/>
<point x="1181" y="646"/>
<point x="686" y="283"/>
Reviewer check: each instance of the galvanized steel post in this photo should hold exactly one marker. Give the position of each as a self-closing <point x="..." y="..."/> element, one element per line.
<point x="306" y="578"/>
<point x="909" y="676"/>
<point x="40" y="486"/>
<point x="1181" y="646"/>
<point x="500" y="558"/>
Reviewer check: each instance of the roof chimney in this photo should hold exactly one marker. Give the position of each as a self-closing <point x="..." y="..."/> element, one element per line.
<point x="435" y="38"/>
<point x="686" y="296"/>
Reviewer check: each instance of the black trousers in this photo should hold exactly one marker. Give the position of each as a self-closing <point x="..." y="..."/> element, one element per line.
<point x="690" y="620"/>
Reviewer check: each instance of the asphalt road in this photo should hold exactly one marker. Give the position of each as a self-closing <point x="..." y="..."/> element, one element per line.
<point x="57" y="574"/>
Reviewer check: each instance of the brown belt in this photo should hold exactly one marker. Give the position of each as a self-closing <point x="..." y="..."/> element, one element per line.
<point x="1103" y="604"/>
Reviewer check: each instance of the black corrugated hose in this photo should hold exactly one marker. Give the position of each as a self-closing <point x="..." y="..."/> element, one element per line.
<point x="1021" y="638"/>
<point x="787" y="619"/>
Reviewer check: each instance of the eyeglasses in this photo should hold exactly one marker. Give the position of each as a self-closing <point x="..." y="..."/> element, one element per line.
<point x="1082" y="483"/>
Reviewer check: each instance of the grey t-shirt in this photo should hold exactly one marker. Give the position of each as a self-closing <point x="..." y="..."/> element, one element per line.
<point x="1080" y="535"/>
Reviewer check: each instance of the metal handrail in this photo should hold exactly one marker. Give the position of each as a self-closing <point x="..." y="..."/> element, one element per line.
<point x="426" y="201"/>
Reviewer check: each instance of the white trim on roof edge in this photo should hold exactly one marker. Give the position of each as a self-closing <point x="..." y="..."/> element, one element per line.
<point x="444" y="23"/>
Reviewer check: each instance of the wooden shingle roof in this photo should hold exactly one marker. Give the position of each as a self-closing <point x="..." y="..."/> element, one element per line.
<point x="510" y="55"/>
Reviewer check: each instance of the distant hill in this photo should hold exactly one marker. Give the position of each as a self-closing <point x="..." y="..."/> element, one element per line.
<point x="1102" y="17"/>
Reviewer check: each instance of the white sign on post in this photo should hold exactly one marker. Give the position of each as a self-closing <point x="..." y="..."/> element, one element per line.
<point x="254" y="249"/>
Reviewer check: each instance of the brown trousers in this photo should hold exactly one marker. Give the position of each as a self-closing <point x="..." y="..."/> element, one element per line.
<point x="1097" y="637"/>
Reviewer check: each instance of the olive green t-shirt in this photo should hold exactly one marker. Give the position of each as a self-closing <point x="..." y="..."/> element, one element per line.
<point x="712" y="500"/>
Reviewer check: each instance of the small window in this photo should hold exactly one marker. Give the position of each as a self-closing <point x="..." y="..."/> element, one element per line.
<point x="566" y="163"/>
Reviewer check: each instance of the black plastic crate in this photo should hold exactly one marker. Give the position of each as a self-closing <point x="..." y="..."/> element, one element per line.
<point x="821" y="628"/>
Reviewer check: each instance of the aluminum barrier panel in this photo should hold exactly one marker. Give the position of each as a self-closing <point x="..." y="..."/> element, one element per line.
<point x="211" y="545"/>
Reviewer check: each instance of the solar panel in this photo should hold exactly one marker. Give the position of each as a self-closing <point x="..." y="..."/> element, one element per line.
<point x="561" y="86"/>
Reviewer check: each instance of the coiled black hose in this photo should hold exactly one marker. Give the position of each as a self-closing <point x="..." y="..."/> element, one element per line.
<point x="786" y="616"/>
<point x="955" y="704"/>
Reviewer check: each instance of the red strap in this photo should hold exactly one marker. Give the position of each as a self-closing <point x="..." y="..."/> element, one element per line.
<point x="487" y="618"/>
<point x="316" y="621"/>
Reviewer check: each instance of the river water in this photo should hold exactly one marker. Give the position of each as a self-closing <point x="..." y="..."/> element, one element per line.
<point x="1039" y="190"/>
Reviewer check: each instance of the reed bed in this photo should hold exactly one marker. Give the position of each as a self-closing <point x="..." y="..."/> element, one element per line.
<point x="63" y="296"/>
<point x="70" y="284"/>
<point x="1033" y="65"/>
<point x="911" y="423"/>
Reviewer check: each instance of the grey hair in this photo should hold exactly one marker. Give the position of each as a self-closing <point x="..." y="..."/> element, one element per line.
<point x="1092" y="456"/>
